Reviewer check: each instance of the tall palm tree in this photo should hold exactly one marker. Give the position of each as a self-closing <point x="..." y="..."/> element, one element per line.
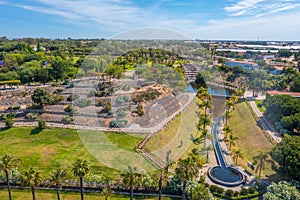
<point x="206" y="104"/>
<point x="32" y="178"/>
<point x="57" y="177"/>
<point x="227" y="116"/>
<point x="204" y="121"/>
<point x="260" y="160"/>
<point x="231" y="140"/>
<point x="227" y="130"/>
<point x="131" y="178"/>
<point x="81" y="168"/>
<point x="7" y="163"/>
<point x="236" y="154"/>
<point x="163" y="174"/>
<point x="186" y="170"/>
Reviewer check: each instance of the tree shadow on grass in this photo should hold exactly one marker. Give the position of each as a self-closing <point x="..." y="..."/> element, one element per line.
<point x="35" y="131"/>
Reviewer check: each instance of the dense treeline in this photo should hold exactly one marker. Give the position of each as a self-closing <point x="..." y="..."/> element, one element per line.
<point x="286" y="154"/>
<point x="284" y="112"/>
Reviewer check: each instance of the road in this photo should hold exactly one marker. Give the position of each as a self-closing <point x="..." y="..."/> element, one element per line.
<point x="266" y="124"/>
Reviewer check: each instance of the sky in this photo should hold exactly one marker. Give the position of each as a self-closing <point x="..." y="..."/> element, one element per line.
<point x="196" y="19"/>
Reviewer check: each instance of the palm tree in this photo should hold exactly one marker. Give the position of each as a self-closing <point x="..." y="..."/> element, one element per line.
<point x="57" y="177"/>
<point x="163" y="174"/>
<point x="203" y="121"/>
<point x="227" y="116"/>
<point x="236" y="154"/>
<point x="186" y="170"/>
<point x="7" y="163"/>
<point x="260" y="160"/>
<point x="131" y="178"/>
<point x="206" y="104"/>
<point x="32" y="178"/>
<point x="81" y="168"/>
<point x="231" y="140"/>
<point x="227" y="130"/>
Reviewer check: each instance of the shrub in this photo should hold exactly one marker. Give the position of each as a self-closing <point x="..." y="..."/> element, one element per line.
<point x="259" y="105"/>
<point x="31" y="116"/>
<point x="71" y="109"/>
<point x="9" y="122"/>
<point x="42" y="124"/>
<point x="81" y="102"/>
<point x="117" y="123"/>
<point x="54" y="84"/>
<point x="2" y="117"/>
<point x="229" y="193"/>
<point x="13" y="108"/>
<point x="244" y="191"/>
<point x="67" y="120"/>
<point x="11" y="115"/>
<point x="59" y="90"/>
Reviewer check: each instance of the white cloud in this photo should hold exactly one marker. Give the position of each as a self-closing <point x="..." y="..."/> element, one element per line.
<point x="242" y="6"/>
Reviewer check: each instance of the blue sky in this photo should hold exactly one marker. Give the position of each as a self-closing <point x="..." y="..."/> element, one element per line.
<point x="201" y="19"/>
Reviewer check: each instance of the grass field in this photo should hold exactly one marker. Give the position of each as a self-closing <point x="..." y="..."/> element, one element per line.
<point x="51" y="195"/>
<point x="52" y="148"/>
<point x="250" y="137"/>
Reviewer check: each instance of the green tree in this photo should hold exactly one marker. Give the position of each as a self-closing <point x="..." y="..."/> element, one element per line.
<point x="227" y="130"/>
<point x="81" y="168"/>
<point x="32" y="178"/>
<point x="231" y="140"/>
<point x="286" y="154"/>
<point x="9" y="162"/>
<point x="41" y="97"/>
<point x="282" y="190"/>
<point x="187" y="169"/>
<point x="295" y="86"/>
<point x="57" y="178"/>
<point x="199" y="191"/>
<point x="237" y="153"/>
<point x="131" y="179"/>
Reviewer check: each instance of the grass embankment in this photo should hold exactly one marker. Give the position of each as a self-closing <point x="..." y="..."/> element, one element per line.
<point x="52" y="148"/>
<point x="251" y="139"/>
<point x="177" y="136"/>
<point x="50" y="195"/>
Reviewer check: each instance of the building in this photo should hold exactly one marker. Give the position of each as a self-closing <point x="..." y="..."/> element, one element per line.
<point x="277" y="70"/>
<point x="275" y="92"/>
<point x="246" y="65"/>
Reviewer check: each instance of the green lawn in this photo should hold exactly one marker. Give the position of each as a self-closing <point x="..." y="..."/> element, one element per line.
<point x="250" y="137"/>
<point x="51" y="148"/>
<point x="261" y="108"/>
<point x="51" y="195"/>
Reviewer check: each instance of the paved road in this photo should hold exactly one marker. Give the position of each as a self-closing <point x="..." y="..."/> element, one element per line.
<point x="270" y="129"/>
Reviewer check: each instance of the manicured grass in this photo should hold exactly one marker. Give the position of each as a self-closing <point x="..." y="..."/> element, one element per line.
<point x="176" y="137"/>
<point x="52" y="148"/>
<point x="162" y="138"/>
<point x="50" y="195"/>
<point x="123" y="140"/>
<point x="250" y="137"/>
<point x="262" y="109"/>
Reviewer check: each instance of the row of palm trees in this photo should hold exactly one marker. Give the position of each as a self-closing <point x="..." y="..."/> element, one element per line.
<point x="33" y="177"/>
<point x="186" y="170"/>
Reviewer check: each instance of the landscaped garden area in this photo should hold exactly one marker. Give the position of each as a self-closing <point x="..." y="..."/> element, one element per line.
<point x="251" y="139"/>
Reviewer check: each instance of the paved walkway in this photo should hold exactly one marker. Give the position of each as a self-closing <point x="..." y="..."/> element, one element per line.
<point x="250" y="179"/>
